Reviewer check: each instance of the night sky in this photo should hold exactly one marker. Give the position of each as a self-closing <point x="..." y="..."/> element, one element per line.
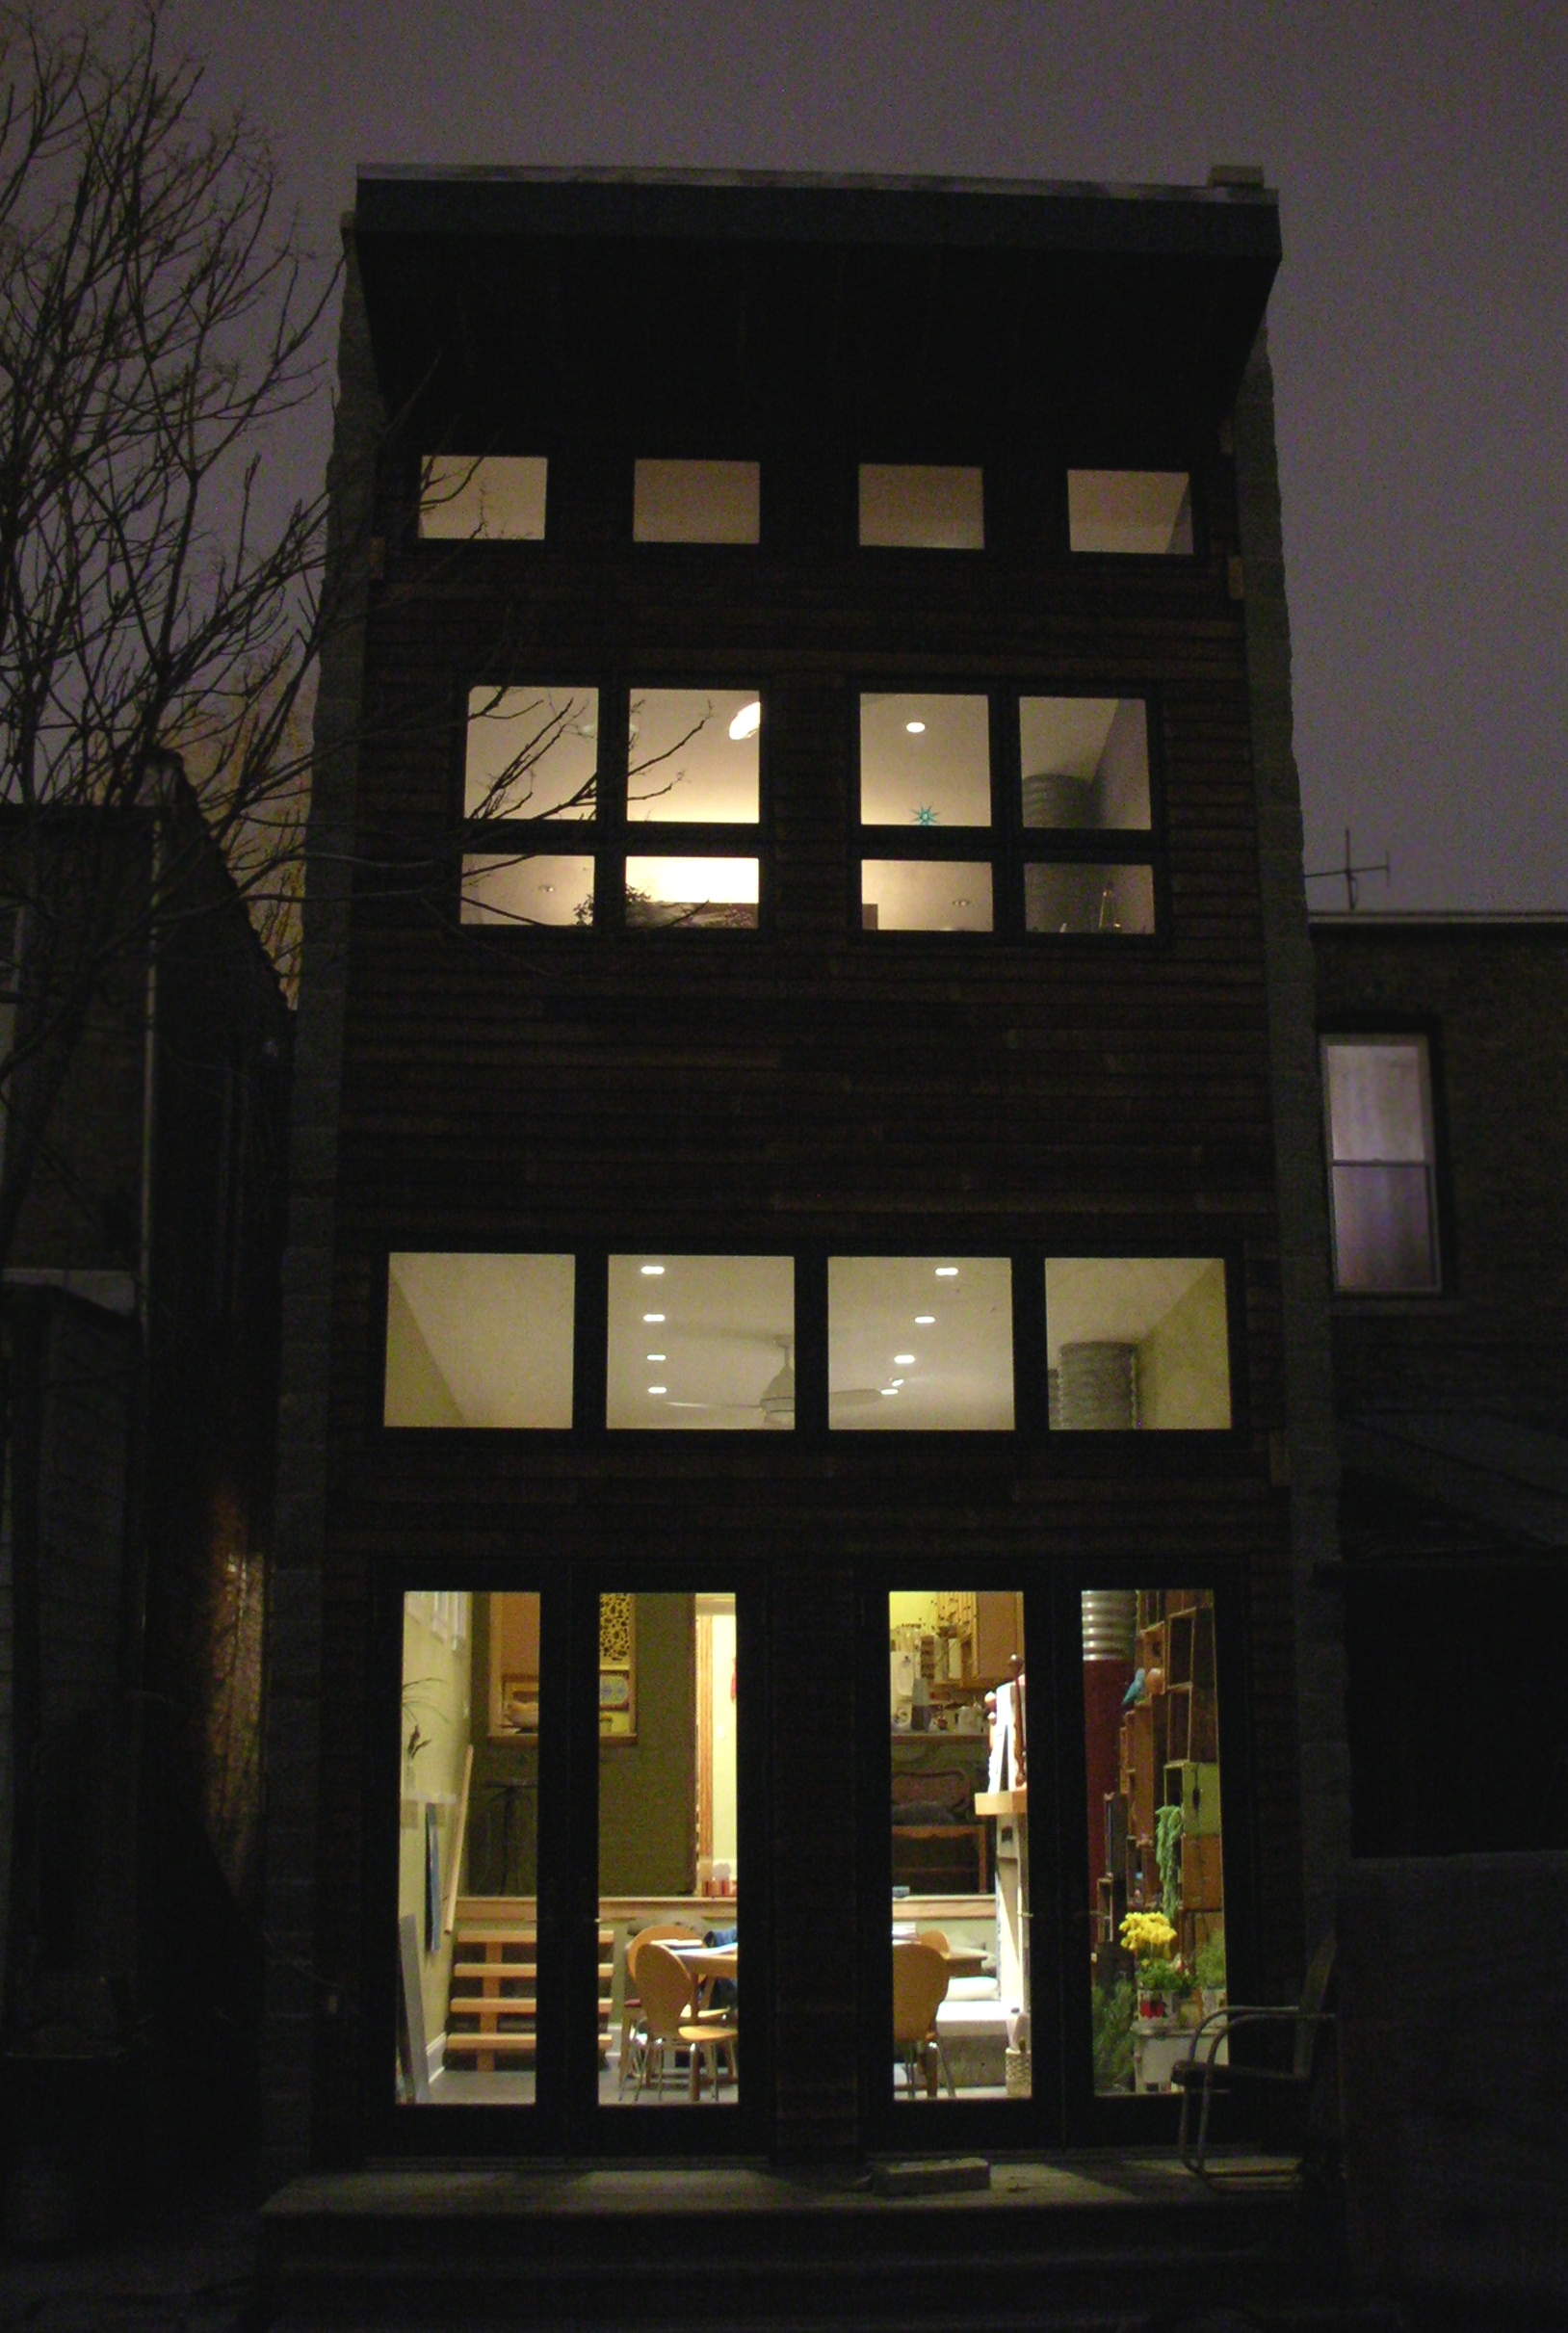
<point x="1417" y="328"/>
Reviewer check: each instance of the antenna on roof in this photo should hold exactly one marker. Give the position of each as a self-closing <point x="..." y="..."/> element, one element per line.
<point x="1349" y="872"/>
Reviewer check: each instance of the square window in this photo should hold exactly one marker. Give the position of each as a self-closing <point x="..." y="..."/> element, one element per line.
<point x="1137" y="1342"/>
<point x="692" y="894"/>
<point x="479" y="1340"/>
<point x="482" y="498"/>
<point x="1073" y="896"/>
<point x="1377" y="1092"/>
<point x="1147" y="513"/>
<point x="694" y="756"/>
<point x="919" y="1343"/>
<point x="921" y="507"/>
<point x="527" y="889"/>
<point x="1084" y="762"/>
<point x="924" y="761"/>
<point x="696" y="502"/>
<point x="701" y="1343"/>
<point x="531" y="754"/>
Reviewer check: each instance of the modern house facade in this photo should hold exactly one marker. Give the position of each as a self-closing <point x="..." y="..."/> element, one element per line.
<point x="806" y="1346"/>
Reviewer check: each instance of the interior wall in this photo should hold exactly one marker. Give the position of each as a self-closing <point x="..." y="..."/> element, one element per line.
<point x="1184" y="1362"/>
<point x="417" y="1394"/>
<point x="436" y="1696"/>
<point x="648" y="1788"/>
<point x="723" y="1720"/>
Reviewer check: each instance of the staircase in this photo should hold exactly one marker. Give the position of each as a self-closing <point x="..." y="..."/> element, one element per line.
<point x="492" y="2008"/>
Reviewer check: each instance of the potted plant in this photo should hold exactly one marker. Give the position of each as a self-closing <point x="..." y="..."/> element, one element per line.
<point x="1161" y="1981"/>
<point x="1208" y="1968"/>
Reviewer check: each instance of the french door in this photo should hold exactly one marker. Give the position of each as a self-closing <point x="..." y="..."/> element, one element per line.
<point x="578" y="1865"/>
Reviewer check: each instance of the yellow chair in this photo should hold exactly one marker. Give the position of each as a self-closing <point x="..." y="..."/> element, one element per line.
<point x="666" y="1987"/>
<point x="919" y="1984"/>
<point x="634" y="2039"/>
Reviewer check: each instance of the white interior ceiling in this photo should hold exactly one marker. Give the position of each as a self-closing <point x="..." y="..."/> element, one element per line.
<point x="1117" y="1299"/>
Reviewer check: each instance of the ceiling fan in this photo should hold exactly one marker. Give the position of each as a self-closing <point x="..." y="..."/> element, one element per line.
<point x="776" y="1400"/>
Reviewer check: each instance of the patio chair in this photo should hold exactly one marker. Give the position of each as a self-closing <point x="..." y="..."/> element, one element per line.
<point x="1287" y="2088"/>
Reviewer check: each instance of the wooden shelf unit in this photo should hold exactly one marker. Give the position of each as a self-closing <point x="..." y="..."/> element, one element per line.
<point x="1169" y="1755"/>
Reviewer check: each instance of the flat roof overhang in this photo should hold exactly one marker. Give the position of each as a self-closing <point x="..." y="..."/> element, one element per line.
<point x="754" y="302"/>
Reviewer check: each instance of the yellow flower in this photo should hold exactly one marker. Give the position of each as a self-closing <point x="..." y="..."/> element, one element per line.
<point x="1147" y="1934"/>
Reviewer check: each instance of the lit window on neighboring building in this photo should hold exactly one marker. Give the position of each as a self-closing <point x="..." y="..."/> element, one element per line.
<point x="1147" y="513"/>
<point x="921" y="507"/>
<point x="1378" y="1094"/>
<point x="483" y="498"/>
<point x="527" y="889"/>
<point x="692" y="756"/>
<point x="696" y="502"/>
<point x="531" y="752"/>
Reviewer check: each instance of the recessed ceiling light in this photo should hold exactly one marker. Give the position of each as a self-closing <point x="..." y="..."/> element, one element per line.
<point x="747" y="723"/>
<point x="896" y="1382"/>
<point x="887" y="1392"/>
<point x="960" y="903"/>
<point x="904" y="1360"/>
<point x="650" y="1319"/>
<point x="653" y="1272"/>
<point x="656" y="1356"/>
<point x="658" y="1389"/>
<point x="947" y="1272"/>
<point x="925" y="1319"/>
<point x="916" y="728"/>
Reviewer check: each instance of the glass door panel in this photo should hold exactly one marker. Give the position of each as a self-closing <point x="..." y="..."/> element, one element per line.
<point x="669" y="1907"/>
<point x="468" y="1997"/>
<point x="960" y="1846"/>
<point x="1151" y="1743"/>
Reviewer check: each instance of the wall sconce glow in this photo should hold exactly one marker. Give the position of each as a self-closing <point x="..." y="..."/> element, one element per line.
<point x="653" y="1272"/>
<point x="915" y="728"/>
<point x="651" y="1320"/>
<point x="747" y="723"/>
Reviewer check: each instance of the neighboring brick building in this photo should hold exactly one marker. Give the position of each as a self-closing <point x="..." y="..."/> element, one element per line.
<point x="882" y="924"/>
<point x="140" y="1311"/>
<point x="1451" y="1370"/>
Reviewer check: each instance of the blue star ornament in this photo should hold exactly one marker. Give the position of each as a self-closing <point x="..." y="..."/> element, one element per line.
<point x="1135" y="1691"/>
<point x="926" y="816"/>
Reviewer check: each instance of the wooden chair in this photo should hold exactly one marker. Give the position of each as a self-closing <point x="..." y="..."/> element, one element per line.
<point x="665" y="1986"/>
<point x="632" y="2035"/>
<point x="920" y="1984"/>
<point x="936" y="1939"/>
<point x="1199" y="2074"/>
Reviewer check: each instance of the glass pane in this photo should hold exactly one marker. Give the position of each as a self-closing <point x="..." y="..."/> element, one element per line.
<point x="1145" y="511"/>
<point x="917" y="1342"/>
<point x="701" y="1342"/>
<point x="696" y="502"/>
<point x="1151" y="1740"/>
<point x="960" y="1844"/>
<point x="1377" y="1098"/>
<point x="489" y="497"/>
<point x="1383" y="1243"/>
<point x="924" y="761"/>
<point x="692" y="894"/>
<point x="668" y="1868"/>
<point x="921" y="507"/>
<point x="1072" y="897"/>
<point x="1136" y="1340"/>
<point x="1084" y="761"/>
<point x="479" y="1340"/>
<point x="531" y="752"/>
<point x="497" y="889"/>
<point x="468" y="1929"/>
<point x="694" y="755"/>
<point x="924" y="894"/>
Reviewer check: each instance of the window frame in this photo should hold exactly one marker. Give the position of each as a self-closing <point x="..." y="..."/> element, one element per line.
<point x="488" y="543"/>
<point x="1424" y="1035"/>
<point x="1006" y="845"/>
<point x="608" y="838"/>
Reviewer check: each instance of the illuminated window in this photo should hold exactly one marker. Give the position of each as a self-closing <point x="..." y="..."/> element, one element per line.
<point x="1137" y="1342"/>
<point x="1147" y="513"/>
<point x="921" y="506"/>
<point x="1377" y="1092"/>
<point x="701" y="1343"/>
<point x="483" y="498"/>
<point x="916" y="1343"/>
<point x="479" y="1340"/>
<point x="696" y="502"/>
